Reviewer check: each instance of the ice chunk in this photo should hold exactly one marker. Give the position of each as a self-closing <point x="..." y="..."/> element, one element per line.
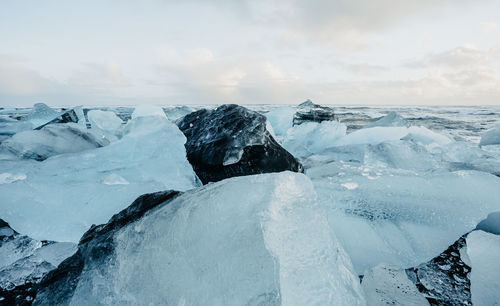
<point x="484" y="251"/>
<point x="312" y="137"/>
<point x="40" y="114"/>
<point x="491" y="137"/>
<point x="64" y="195"/>
<point x="281" y="119"/>
<point x="211" y="246"/>
<point x="386" y="284"/>
<point x="177" y="112"/>
<point x="425" y="136"/>
<point x="308" y="111"/>
<point x="74" y="115"/>
<point x="106" y="121"/>
<point x="491" y="224"/>
<point x="373" y="135"/>
<point x="232" y="140"/>
<point x="395" y="213"/>
<point x="391" y="119"/>
<point x="148" y="110"/>
<point x="51" y="140"/>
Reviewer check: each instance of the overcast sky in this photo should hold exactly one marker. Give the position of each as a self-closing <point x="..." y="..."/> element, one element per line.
<point x="376" y="52"/>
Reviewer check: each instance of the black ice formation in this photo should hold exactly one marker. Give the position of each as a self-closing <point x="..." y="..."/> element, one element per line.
<point x="232" y="140"/>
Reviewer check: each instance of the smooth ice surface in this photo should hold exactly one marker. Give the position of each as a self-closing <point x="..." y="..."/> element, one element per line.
<point x="484" y="251"/>
<point x="491" y="137"/>
<point x="391" y="119"/>
<point x="491" y="224"/>
<point x="211" y="246"/>
<point x="106" y="121"/>
<point x="313" y="137"/>
<point x="51" y="140"/>
<point x="399" y="216"/>
<point x="148" y="110"/>
<point x="63" y="196"/>
<point x="40" y="114"/>
<point x="177" y="112"/>
<point x="281" y="119"/>
<point x="388" y="285"/>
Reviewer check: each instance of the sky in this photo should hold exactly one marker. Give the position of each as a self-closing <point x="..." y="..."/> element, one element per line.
<point x="340" y="52"/>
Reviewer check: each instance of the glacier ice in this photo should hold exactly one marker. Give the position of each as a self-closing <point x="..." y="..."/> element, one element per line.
<point x="24" y="261"/>
<point x="177" y="112"/>
<point x="61" y="197"/>
<point x="308" y="111"/>
<point x="483" y="250"/>
<point x="391" y="119"/>
<point x="145" y="110"/>
<point x="105" y="121"/>
<point x="40" y="114"/>
<point x="232" y="140"/>
<point x="386" y="284"/>
<point x="51" y="140"/>
<point x="313" y="137"/>
<point x="211" y="246"/>
<point x="491" y="224"/>
<point x="281" y="119"/>
<point x="491" y="137"/>
<point x="400" y="216"/>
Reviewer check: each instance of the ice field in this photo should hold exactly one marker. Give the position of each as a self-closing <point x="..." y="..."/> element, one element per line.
<point x="384" y="190"/>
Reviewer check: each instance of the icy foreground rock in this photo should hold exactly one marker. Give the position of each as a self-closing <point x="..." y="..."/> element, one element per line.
<point x="23" y="263"/>
<point x="232" y="141"/>
<point x="61" y="197"/>
<point x="211" y="246"/>
<point x="51" y="140"/>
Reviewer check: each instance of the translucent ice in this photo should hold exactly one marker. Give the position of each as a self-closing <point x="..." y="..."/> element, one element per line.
<point x="148" y="110"/>
<point x="281" y="119"/>
<point x="211" y="246"/>
<point x="40" y="114"/>
<point x="484" y="251"/>
<point x="313" y="137"/>
<point x="400" y="216"/>
<point x="53" y="139"/>
<point x="106" y="121"/>
<point x="389" y="285"/>
<point x="391" y="119"/>
<point x="63" y="196"/>
<point x="491" y="136"/>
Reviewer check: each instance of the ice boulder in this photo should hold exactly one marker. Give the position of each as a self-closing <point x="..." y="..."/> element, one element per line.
<point x="281" y="119"/>
<point x="177" y="112"/>
<point x="308" y="111"/>
<point x="73" y="115"/>
<point x="483" y="250"/>
<point x="391" y="119"/>
<point x="313" y="137"/>
<point x="148" y="110"/>
<point x="23" y="263"/>
<point x="61" y="197"/>
<point x="40" y="114"/>
<point x="211" y="246"/>
<point x="105" y="121"/>
<point x="53" y="139"/>
<point x="232" y="141"/>
<point x="491" y="137"/>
